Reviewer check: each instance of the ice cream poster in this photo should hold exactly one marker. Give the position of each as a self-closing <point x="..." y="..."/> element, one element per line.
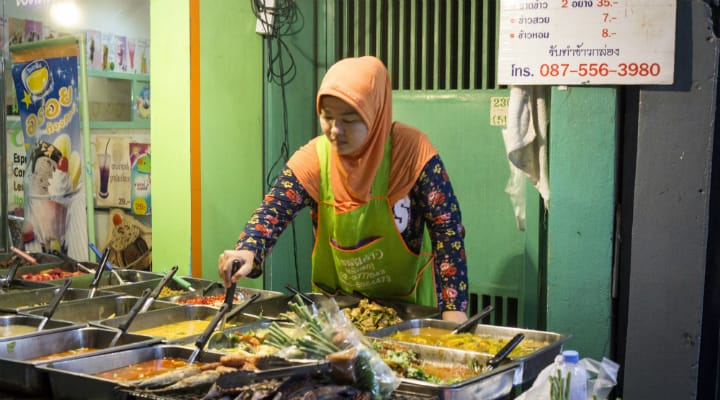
<point x="46" y="84"/>
<point x="140" y="178"/>
<point x="112" y="173"/>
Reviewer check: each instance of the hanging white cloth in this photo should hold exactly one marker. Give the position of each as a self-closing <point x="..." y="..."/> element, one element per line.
<point x="526" y="145"/>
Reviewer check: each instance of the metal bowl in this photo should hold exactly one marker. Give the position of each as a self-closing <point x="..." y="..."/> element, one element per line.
<point x="17" y="356"/>
<point x="68" y="375"/>
<point x="98" y="308"/>
<point x="206" y="288"/>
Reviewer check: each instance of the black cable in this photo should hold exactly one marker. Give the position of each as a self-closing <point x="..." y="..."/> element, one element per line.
<point x="284" y="14"/>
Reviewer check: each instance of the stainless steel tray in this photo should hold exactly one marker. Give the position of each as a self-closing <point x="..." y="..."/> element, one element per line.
<point x="68" y="375"/>
<point x="43" y="259"/>
<point x="30" y="321"/>
<point x="491" y="385"/>
<point x="39" y="298"/>
<point x="215" y="288"/>
<point x="155" y="318"/>
<point x="20" y="373"/>
<point x="96" y="309"/>
<point x="529" y="366"/>
<point x="81" y="281"/>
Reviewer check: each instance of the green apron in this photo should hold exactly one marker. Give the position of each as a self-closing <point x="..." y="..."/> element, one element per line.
<point x="361" y="250"/>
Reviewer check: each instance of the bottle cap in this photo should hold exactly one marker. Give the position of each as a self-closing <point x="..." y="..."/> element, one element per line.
<point x="570" y="356"/>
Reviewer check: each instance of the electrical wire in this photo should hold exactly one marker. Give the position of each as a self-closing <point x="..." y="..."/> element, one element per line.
<point x="278" y="21"/>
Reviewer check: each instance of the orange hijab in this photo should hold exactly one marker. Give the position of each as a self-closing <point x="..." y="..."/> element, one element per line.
<point x="364" y="84"/>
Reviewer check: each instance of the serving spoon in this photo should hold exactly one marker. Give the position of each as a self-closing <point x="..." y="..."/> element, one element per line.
<point x="472" y="321"/>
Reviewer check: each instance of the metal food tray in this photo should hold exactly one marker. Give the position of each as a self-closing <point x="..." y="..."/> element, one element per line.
<point x="19" y="285"/>
<point x="205" y="287"/>
<point x="529" y="366"/>
<point x="155" y="318"/>
<point x="20" y="373"/>
<point x="43" y="259"/>
<point x="490" y="385"/>
<point x="272" y="308"/>
<point x="80" y="281"/>
<point x="52" y="325"/>
<point x="68" y="375"/>
<point x="39" y="298"/>
<point x="96" y="309"/>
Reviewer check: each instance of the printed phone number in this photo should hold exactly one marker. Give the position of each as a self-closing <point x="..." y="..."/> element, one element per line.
<point x="601" y="69"/>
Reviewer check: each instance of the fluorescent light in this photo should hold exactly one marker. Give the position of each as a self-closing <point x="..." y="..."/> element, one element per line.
<point x="65" y="14"/>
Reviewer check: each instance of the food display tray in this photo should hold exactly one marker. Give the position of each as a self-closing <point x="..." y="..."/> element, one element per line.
<point x="494" y="384"/>
<point x="39" y="298"/>
<point x="205" y="287"/>
<point x="20" y="373"/>
<point x="156" y="318"/>
<point x="272" y="308"/>
<point x="79" y="281"/>
<point x="98" y="308"/>
<point x="52" y="325"/>
<point x="529" y="366"/>
<point x="43" y="259"/>
<point x="67" y="376"/>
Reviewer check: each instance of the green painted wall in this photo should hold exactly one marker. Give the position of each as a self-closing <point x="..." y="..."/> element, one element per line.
<point x="289" y="262"/>
<point x="581" y="215"/>
<point x="473" y="151"/>
<point x="231" y="78"/>
<point x="170" y="133"/>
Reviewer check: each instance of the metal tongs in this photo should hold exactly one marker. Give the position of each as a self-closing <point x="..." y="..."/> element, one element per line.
<point x="134" y="311"/>
<point x="50" y="310"/>
<point x="156" y="292"/>
<point x="98" y="273"/>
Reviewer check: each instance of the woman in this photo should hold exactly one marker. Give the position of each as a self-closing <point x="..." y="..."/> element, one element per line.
<point x="373" y="186"/>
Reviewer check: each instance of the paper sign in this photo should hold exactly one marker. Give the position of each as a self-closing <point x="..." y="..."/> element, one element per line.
<point x="586" y="42"/>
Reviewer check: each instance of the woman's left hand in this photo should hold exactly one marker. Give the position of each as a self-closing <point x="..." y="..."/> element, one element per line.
<point x="454" y="316"/>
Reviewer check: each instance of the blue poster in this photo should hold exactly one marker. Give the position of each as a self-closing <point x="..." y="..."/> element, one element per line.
<point x="46" y="84"/>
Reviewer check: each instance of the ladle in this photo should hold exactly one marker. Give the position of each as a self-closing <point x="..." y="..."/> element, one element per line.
<point x="504" y="352"/>
<point x="203" y="338"/>
<point x="134" y="311"/>
<point x="98" y="273"/>
<point x="50" y="310"/>
<point x="158" y="288"/>
<point x="182" y="282"/>
<point x="472" y="321"/>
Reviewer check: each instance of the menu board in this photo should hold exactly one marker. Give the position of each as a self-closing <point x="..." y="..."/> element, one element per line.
<point x="586" y="42"/>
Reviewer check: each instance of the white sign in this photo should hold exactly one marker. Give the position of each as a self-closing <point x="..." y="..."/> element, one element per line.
<point x="586" y="42"/>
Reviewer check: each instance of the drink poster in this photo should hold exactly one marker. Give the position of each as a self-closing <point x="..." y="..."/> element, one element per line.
<point x="46" y="78"/>
<point x="93" y="41"/>
<point x="112" y="176"/>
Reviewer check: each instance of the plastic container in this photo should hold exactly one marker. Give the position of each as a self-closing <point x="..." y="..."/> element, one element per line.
<point x="578" y="375"/>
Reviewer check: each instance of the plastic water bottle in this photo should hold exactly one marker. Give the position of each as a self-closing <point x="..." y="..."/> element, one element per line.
<point x="578" y="375"/>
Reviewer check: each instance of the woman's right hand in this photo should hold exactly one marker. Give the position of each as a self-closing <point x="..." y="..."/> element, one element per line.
<point x="225" y="261"/>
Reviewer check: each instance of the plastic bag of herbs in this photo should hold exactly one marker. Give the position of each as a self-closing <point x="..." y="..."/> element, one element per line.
<point x="322" y="331"/>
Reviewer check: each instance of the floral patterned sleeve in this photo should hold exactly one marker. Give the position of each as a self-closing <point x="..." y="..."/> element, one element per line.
<point x="435" y="199"/>
<point x="279" y="207"/>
